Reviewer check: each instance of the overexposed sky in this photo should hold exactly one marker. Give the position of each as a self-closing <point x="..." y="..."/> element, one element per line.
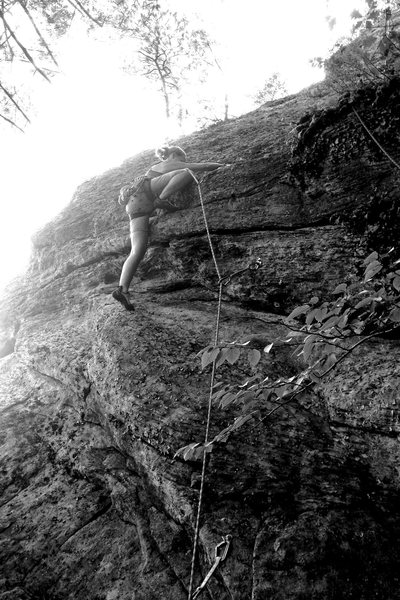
<point x="93" y="115"/>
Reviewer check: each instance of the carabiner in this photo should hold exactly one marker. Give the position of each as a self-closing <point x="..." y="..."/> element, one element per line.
<point x="226" y="542"/>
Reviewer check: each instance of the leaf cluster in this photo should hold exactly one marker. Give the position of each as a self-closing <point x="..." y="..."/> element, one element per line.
<point x="324" y="334"/>
<point x="229" y="353"/>
<point x="369" y="307"/>
<point x="371" y="55"/>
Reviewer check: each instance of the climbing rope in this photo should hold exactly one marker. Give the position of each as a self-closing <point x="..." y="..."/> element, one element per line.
<point x="206" y="223"/>
<point x="220" y="555"/>
<point x="374" y="138"/>
<point x="216" y="339"/>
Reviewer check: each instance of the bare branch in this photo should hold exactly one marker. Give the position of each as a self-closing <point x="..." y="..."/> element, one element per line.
<point x="11" y="122"/>
<point x="150" y="71"/>
<point x="38" y="31"/>
<point x="7" y="41"/>
<point x="24" y="50"/>
<point x="45" y="69"/>
<point x="147" y="56"/>
<point x="85" y="12"/>
<point x="11" y="97"/>
<point x="208" y="45"/>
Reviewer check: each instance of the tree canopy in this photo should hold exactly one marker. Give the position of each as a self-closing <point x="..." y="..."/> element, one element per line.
<point x="165" y="48"/>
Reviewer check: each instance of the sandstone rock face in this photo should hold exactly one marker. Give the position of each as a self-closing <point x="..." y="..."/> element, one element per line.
<point x="95" y="401"/>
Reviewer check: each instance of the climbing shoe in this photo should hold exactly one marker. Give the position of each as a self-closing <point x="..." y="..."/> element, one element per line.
<point x="123" y="297"/>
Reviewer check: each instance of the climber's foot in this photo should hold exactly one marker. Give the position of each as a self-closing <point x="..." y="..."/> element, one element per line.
<point x="123" y="298"/>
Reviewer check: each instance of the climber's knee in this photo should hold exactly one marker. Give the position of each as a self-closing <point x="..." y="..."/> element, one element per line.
<point x="185" y="176"/>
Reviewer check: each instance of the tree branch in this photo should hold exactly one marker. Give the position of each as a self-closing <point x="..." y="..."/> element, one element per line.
<point x="11" y="122"/>
<point x="85" y="12"/>
<point x="349" y="350"/>
<point x="10" y="97"/>
<point x="24" y="50"/>
<point x="7" y="41"/>
<point x="147" y="56"/>
<point x="320" y="335"/>
<point x="305" y="387"/>
<point x="44" y="69"/>
<point x="214" y="57"/>
<point x="28" y="14"/>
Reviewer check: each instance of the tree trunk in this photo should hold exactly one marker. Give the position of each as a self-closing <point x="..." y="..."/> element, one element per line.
<point x="226" y="108"/>
<point x="166" y="98"/>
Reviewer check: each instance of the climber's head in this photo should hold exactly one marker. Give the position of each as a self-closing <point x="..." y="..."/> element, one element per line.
<point x="171" y="153"/>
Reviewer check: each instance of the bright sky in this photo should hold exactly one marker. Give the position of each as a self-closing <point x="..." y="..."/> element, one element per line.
<point x="93" y="116"/>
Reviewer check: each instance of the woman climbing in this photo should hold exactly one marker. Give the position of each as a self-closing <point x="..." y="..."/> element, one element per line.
<point x="163" y="179"/>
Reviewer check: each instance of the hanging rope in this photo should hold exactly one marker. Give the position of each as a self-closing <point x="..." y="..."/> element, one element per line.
<point x="374" y="138"/>
<point x="216" y="340"/>
<point x="256" y="264"/>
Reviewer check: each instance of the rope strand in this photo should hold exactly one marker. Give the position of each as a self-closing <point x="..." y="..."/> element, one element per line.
<point x="206" y="223"/>
<point x="374" y="139"/>
<point x="216" y="340"/>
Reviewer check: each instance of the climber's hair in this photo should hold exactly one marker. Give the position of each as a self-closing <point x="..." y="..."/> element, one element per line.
<point x="166" y="151"/>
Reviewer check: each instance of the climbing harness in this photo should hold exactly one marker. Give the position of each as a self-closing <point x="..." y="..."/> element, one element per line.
<point x="139" y="200"/>
<point x="137" y="197"/>
<point x="137" y="185"/>
<point x="220" y="554"/>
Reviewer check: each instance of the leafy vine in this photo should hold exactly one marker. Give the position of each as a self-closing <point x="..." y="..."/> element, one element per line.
<point x="325" y="333"/>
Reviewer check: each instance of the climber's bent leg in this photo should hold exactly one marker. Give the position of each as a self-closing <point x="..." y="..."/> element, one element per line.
<point x="139" y="240"/>
<point x="176" y="184"/>
<point x="170" y="183"/>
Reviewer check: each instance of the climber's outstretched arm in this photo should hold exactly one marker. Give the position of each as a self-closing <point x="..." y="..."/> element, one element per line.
<point x="198" y="167"/>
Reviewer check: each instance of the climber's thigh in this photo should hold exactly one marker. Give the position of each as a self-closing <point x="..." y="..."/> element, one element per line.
<point x="159" y="183"/>
<point x="139" y="234"/>
<point x="139" y="224"/>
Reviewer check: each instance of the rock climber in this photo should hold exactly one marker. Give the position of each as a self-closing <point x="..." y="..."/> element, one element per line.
<point x="163" y="179"/>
